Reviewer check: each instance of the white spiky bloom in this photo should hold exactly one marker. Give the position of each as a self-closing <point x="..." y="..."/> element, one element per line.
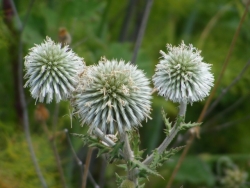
<point x="113" y="96"/>
<point x="182" y="76"/>
<point x="52" y="70"/>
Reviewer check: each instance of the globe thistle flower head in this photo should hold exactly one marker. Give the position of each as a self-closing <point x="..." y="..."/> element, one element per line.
<point x="113" y="96"/>
<point x="51" y="70"/>
<point x="182" y="76"/>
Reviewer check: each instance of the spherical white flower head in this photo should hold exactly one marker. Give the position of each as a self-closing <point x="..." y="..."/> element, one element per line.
<point x="182" y="76"/>
<point x="52" y="70"/>
<point x="113" y="96"/>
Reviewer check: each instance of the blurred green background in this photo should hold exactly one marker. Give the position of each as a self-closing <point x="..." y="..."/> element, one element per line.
<point x="110" y="28"/>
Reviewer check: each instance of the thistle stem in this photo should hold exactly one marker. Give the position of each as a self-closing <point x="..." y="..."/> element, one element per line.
<point x="129" y="156"/>
<point x="173" y="133"/>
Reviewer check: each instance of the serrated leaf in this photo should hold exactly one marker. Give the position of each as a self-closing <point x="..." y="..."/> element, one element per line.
<point x="159" y="159"/>
<point x="167" y="123"/>
<point x="102" y="151"/>
<point x="115" y="151"/>
<point x="143" y="168"/>
<point x="189" y="125"/>
<point x="123" y="166"/>
<point x="136" y="144"/>
<point x="119" y="180"/>
<point x="172" y="151"/>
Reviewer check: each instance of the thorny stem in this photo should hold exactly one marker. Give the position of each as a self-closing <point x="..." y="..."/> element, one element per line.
<point x="173" y="133"/>
<point x="191" y="139"/>
<point x="129" y="156"/>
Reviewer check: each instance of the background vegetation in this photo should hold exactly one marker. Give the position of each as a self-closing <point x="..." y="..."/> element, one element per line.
<point x="110" y="28"/>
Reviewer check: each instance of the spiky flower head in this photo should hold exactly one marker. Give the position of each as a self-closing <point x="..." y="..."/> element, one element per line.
<point x="52" y="70"/>
<point x="113" y="96"/>
<point x="182" y="76"/>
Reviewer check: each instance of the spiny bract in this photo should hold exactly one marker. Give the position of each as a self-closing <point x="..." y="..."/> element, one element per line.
<point x="52" y="70"/>
<point x="113" y="96"/>
<point x="182" y="76"/>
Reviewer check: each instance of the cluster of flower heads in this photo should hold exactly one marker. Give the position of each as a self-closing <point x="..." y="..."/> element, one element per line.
<point x="52" y="70"/>
<point x="113" y="95"/>
<point x="182" y="76"/>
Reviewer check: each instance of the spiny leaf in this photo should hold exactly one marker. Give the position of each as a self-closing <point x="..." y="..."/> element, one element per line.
<point x="172" y="151"/>
<point x="123" y="166"/>
<point x="166" y="122"/>
<point x="159" y="159"/>
<point x="143" y="168"/>
<point x="185" y="126"/>
<point x="135" y="144"/>
<point x="119" y="180"/>
<point x="115" y="151"/>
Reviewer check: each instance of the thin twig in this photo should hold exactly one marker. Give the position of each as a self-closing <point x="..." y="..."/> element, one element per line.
<point x="79" y="42"/>
<point x="55" y="119"/>
<point x="55" y="152"/>
<point x="142" y="30"/>
<point x="224" y="112"/>
<point x="79" y="162"/>
<point x="19" y="22"/>
<point x="86" y="167"/>
<point x="224" y="91"/>
<point x="22" y="96"/>
<point x="228" y="124"/>
<point x="102" y="172"/>
<point x="201" y="117"/>
<point x="211" y="24"/>
<point x="27" y="15"/>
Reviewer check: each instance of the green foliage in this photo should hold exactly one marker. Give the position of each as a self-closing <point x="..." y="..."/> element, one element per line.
<point x="144" y="170"/>
<point x="96" y="28"/>
<point x="185" y="126"/>
<point x="135" y="144"/>
<point x="167" y="123"/>
<point x="113" y="152"/>
<point x="160" y="159"/>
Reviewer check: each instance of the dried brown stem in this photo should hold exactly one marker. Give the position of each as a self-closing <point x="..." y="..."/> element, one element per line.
<point x="86" y="167"/>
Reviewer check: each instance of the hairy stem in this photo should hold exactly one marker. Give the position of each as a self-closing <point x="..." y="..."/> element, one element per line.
<point x="129" y="156"/>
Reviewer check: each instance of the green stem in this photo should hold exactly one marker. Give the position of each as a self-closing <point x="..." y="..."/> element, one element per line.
<point x="173" y="133"/>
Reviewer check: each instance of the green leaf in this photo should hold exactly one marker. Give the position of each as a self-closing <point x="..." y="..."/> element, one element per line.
<point x="185" y="126"/>
<point x="144" y="170"/>
<point x="166" y="122"/>
<point x="123" y="166"/>
<point x="119" y="179"/>
<point x="159" y="159"/>
<point x="135" y="145"/>
<point x="116" y="151"/>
